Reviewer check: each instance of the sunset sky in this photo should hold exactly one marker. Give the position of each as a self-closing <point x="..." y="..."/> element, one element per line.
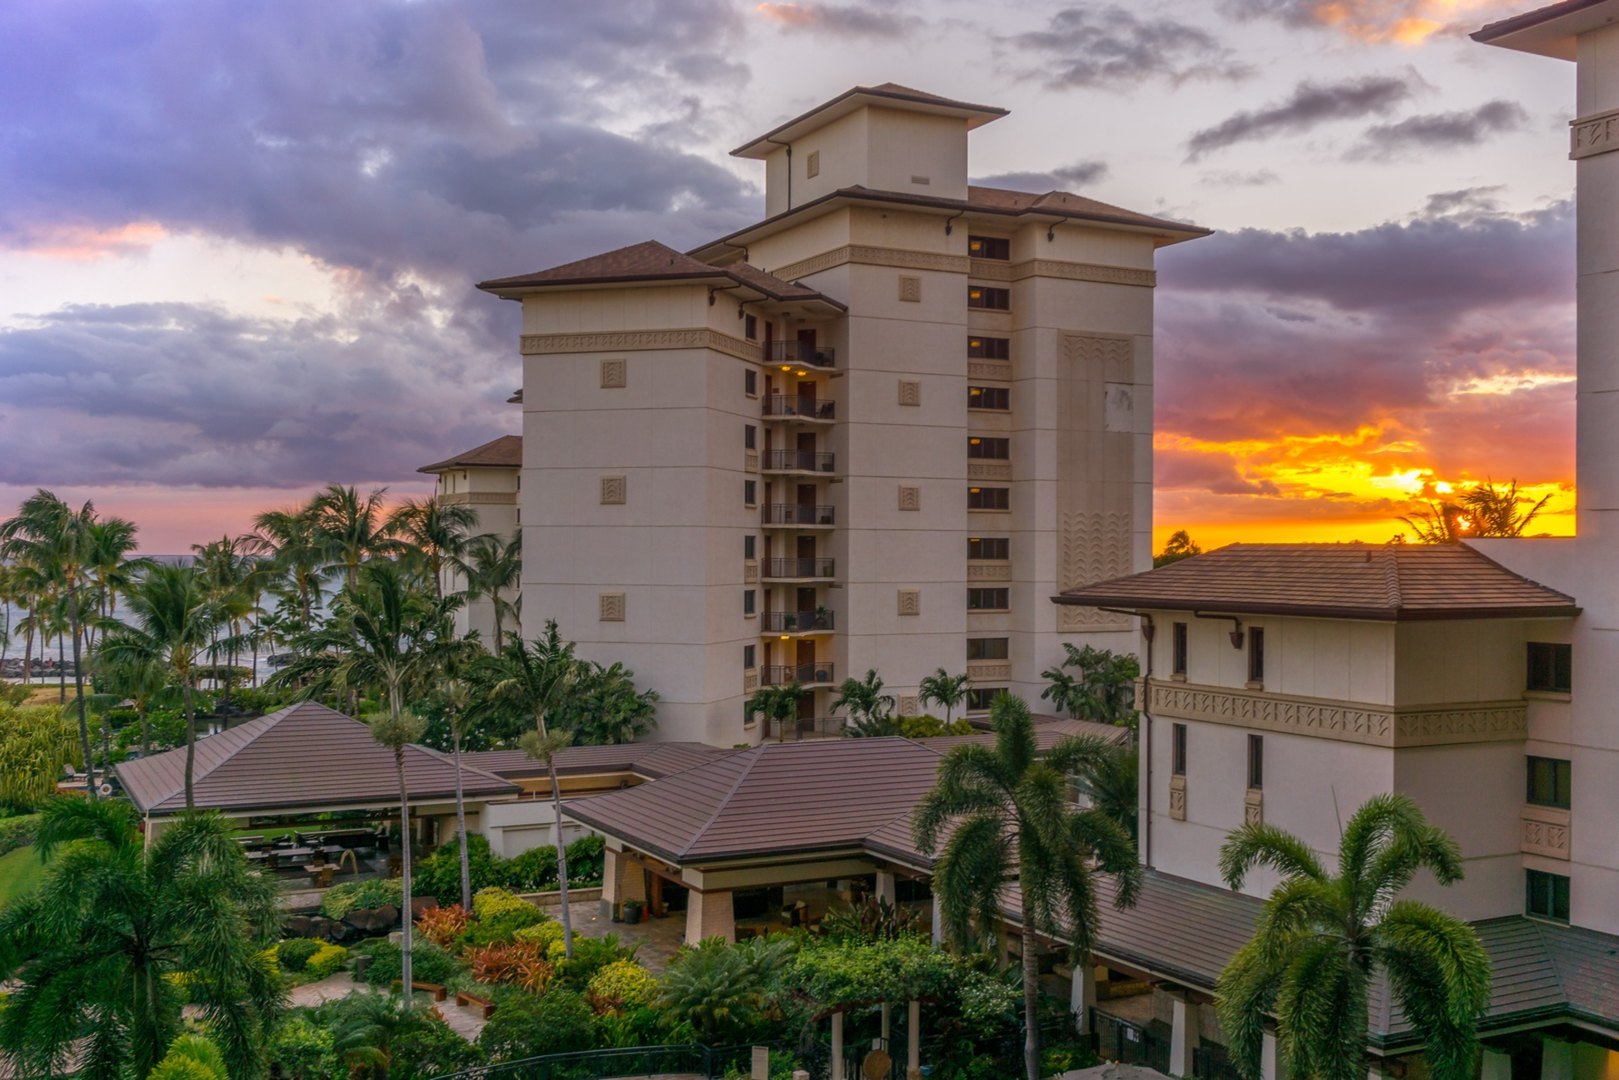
<point x="237" y="240"/>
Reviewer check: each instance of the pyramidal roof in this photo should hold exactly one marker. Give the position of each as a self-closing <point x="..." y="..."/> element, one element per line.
<point x="303" y="756"/>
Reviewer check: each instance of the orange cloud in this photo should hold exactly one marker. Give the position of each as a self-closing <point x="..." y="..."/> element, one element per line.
<point x="795" y="15"/>
<point x="1404" y="22"/>
<point x="83" y="243"/>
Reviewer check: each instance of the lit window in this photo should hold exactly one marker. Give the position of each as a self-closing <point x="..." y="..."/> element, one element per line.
<point x="989" y="247"/>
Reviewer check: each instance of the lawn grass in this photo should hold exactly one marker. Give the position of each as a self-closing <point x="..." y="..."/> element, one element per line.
<point x="20" y="872"/>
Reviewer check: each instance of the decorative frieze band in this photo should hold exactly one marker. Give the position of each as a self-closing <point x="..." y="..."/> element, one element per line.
<point x="1491" y="721"/>
<point x="1544" y="831"/>
<point x="903" y="258"/>
<point x="989" y="369"/>
<point x="989" y="571"/>
<point x="995" y="671"/>
<point x="1592" y="135"/>
<point x="987" y="269"/>
<point x="992" y="270"/>
<point x="629" y="341"/>
<point x="479" y="498"/>
<point x="978" y="470"/>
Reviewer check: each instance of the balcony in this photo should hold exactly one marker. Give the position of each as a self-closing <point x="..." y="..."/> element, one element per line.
<point x="806" y="675"/>
<point x="798" y="461"/>
<point x="798" y="407"/>
<point x="804" y="727"/>
<point x="801" y="353"/>
<point x="797" y="569"/>
<point x="794" y="516"/>
<point x="798" y="622"/>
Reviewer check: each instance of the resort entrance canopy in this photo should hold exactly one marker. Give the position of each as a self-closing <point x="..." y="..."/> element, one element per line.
<point x="303" y="759"/>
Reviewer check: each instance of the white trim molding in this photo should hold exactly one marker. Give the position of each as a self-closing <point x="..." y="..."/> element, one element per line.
<point x="1589" y="136"/>
<point x="638" y="340"/>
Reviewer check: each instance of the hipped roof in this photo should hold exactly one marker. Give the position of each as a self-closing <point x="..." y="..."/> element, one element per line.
<point x="650" y="761"/>
<point x="1387" y="582"/>
<point x="889" y="94"/>
<point x="305" y="755"/>
<point x="505" y="452"/>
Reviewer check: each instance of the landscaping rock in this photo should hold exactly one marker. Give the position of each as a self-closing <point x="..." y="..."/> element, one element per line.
<point x="373" y="920"/>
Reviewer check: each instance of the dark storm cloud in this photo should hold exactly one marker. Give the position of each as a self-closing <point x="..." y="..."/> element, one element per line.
<point x="1076" y="175"/>
<point x="1439" y="131"/>
<point x="1310" y="105"/>
<point x="879" y="21"/>
<point x="1110" y="48"/>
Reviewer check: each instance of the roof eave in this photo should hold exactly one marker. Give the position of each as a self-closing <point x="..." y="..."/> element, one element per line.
<point x="517" y="288"/>
<point x="1548" y="31"/>
<point x="975" y="115"/>
<point x="1317" y="611"/>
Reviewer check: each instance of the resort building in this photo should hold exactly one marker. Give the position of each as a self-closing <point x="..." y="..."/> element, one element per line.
<point x="875" y="430"/>
<point x="489" y="479"/>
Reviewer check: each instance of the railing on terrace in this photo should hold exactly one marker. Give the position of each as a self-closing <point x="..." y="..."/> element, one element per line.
<point x="799" y="405"/>
<point x="800" y="352"/>
<point x="802" y="674"/>
<point x="805" y="727"/>
<point x="1121" y="1040"/>
<point x="797" y="568"/>
<point x="709" y="1062"/>
<point x="796" y="514"/>
<point x="798" y="461"/>
<point x="797" y="622"/>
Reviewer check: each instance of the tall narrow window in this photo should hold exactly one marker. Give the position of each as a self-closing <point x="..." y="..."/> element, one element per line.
<point x="750" y="437"/>
<point x="1551" y="666"/>
<point x="1256" y="761"/>
<point x="1178" y="661"/>
<point x="750" y="492"/>
<point x="1546" y="895"/>
<point x="1178" y="750"/>
<point x="1256" y="654"/>
<point x="750" y="327"/>
<point x="749" y="600"/>
<point x="748" y="655"/>
<point x="1549" y="782"/>
<point x="750" y="382"/>
<point x="750" y="545"/>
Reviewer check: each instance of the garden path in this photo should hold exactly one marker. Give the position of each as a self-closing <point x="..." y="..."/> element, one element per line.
<point x="316" y="993"/>
<point x="660" y="939"/>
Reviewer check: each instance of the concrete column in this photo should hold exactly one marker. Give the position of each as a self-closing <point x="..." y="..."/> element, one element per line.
<point x="1180" y="1040"/>
<point x="913" y="1042"/>
<point x="837" y="1046"/>
<point x="709" y="914"/>
<point x="888" y="1016"/>
<point x="1556" y="1060"/>
<point x="631" y="880"/>
<point x="1082" y="995"/>
<point x="938" y="921"/>
<point x="885" y="886"/>
<point x="1495" y="1065"/>
<point x="1267" y="1059"/>
<point x="610" y="861"/>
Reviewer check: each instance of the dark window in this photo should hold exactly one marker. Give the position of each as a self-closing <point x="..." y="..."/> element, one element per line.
<point x="989" y="247"/>
<point x="750" y="437"/>
<point x="750" y="545"/>
<point x="750" y="491"/>
<point x="989" y="299"/>
<point x="988" y="648"/>
<point x="989" y="397"/>
<point x="1177" y="664"/>
<point x="1551" y="666"/>
<point x="1177" y="750"/>
<point x="1256" y="654"/>
<point x="1256" y="761"/>
<point x="989" y="348"/>
<point x="992" y="449"/>
<point x="989" y="547"/>
<point x="1549" y="782"/>
<point x="750" y="382"/>
<point x="989" y="498"/>
<point x="748" y="655"/>
<point x="989" y="599"/>
<point x="750" y="327"/>
<point x="748" y="600"/>
<point x="979" y="698"/>
<point x="1546" y="895"/>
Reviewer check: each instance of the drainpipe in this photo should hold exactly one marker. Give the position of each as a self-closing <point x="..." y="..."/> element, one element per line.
<point x="1148" y="631"/>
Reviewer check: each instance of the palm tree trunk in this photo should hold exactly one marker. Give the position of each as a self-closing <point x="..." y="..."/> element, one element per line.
<point x="28" y="656"/>
<point x="1031" y="993"/>
<point x="191" y="741"/>
<point x="404" y="837"/>
<point x="499" y="638"/>
<point x="461" y="813"/>
<point x="78" y="684"/>
<point x="61" y="670"/>
<point x="146" y="730"/>
<point x="562" y="858"/>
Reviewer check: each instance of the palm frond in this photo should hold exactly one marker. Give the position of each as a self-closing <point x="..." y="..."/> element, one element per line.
<point x="1265" y="845"/>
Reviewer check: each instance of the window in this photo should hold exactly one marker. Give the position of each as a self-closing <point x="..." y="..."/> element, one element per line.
<point x="979" y="698"/>
<point x="989" y="247"/>
<point x="749" y="600"/>
<point x="750" y="492"/>
<point x="1256" y="761"/>
<point x="1551" y="666"/>
<point x="991" y="449"/>
<point x="1549" y="782"/>
<point x="748" y="656"/>
<point x="750" y="545"/>
<point x="989" y="599"/>
<point x="1545" y="895"/>
<point x="987" y="648"/>
<point x="750" y="327"/>
<point x="989" y="498"/>
<point x="989" y="299"/>
<point x="1177" y="749"/>
<point x="1256" y="654"/>
<point x="989" y="547"/>
<point x="989" y="397"/>
<point x="1177" y="664"/>
<point x="750" y="382"/>
<point x="750" y="437"/>
<point x="989" y="348"/>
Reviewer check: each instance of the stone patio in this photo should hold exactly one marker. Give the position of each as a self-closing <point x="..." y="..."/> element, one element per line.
<point x="660" y="939"/>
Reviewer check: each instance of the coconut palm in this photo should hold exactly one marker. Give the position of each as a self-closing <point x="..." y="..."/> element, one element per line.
<point x="1323" y="937"/>
<point x="112" y="542"/>
<point x="396" y="728"/>
<point x="493" y="568"/>
<point x="1002" y="814"/>
<point x="435" y="533"/>
<point x="351" y="530"/>
<point x="292" y="541"/>
<point x="943" y="688"/>
<point x="119" y="935"/>
<point x="539" y="680"/>
<point x="176" y="621"/>
<point x="778" y="703"/>
<point x="871" y="712"/>
<point x="1103" y="691"/>
<point x="229" y="571"/>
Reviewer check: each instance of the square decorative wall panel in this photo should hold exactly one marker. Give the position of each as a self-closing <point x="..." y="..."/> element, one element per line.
<point x="910" y="392"/>
<point x="910" y="289"/>
<point x="612" y="607"/>
<point x="615" y="490"/>
<point x="615" y="374"/>
<point x="910" y="601"/>
<point x="910" y="497"/>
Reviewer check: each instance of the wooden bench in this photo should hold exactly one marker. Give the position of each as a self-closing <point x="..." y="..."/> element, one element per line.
<point x="484" y="1005"/>
<point x="439" y="991"/>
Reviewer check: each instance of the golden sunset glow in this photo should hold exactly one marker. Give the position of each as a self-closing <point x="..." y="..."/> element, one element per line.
<point x="1400" y="22"/>
<point x="79" y="243"/>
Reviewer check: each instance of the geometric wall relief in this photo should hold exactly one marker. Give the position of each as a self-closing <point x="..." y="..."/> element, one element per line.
<point x="910" y="289"/>
<point x="1092" y="547"/>
<point x="910" y="601"/>
<point x="910" y="497"/>
<point x="612" y="607"/>
<point x="910" y="392"/>
<point x="1177" y="798"/>
<point x="615" y="375"/>
<point x="1544" y="831"/>
<point x="615" y="490"/>
<point x="1253" y="807"/>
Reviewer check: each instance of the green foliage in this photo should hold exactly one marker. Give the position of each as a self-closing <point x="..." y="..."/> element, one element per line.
<point x="361" y="896"/>
<point x="1180" y="545"/>
<point x="300" y="1049"/>
<point x="494" y="902"/>
<point x="535" y="870"/>
<point x="182" y="1068"/>
<point x="720" y="994"/>
<point x="548" y="934"/>
<point x="195" y="1050"/>
<point x="871" y="712"/>
<point x="620" y="986"/>
<point x="294" y="953"/>
<point x="586" y="856"/>
<point x="35" y="743"/>
<point x="17" y="832"/>
<point x="857" y="970"/>
<point x="503" y="928"/>
<point x="327" y="961"/>
<point x="871" y="919"/>
<point x="1102" y="690"/>
<point x="15" y="693"/>
<point x="591" y="955"/>
<point x="429" y="963"/>
<point x="928" y="727"/>
<point x="525" y="1025"/>
<point x="1112" y="785"/>
<point x="378" y="1036"/>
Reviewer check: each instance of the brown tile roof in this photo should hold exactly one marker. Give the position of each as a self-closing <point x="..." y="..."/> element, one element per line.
<point x="305" y="755"/>
<point x="1334" y="581"/>
<point x="1066" y="204"/>
<point x="505" y="452"/>
<point x="888" y="92"/>
<point x="653" y="261"/>
<point x="651" y="761"/>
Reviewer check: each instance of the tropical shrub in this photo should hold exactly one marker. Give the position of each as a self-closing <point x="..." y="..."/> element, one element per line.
<point x="301" y="1049"/>
<point x="442" y="925"/>
<point x="621" y="985"/>
<point x="361" y="896"/>
<point x="521" y="963"/>
<point x="535" y="870"/>
<point x="929" y="726"/>
<point x="17" y="832"/>
<point x="494" y="901"/>
<point x="439" y="875"/>
<point x="526" y="1025"/>
<point x="502" y="929"/>
<point x="191" y="1057"/>
<point x="429" y="963"/>
<point x="870" y="919"/>
<point x="294" y="953"/>
<point x="548" y="934"/>
<point x="721" y="994"/>
<point x="586" y="857"/>
<point x="590" y="955"/>
<point x="327" y="961"/>
<point x="385" y="1037"/>
<point x="36" y="742"/>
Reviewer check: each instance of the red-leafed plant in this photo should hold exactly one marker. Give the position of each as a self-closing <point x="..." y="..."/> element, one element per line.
<point x="442" y="925"/>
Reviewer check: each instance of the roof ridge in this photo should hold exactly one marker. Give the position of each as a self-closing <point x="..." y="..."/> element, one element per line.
<point x="699" y="834"/>
<point x="247" y="740"/>
<point x="454" y="763"/>
<point x="1391" y="577"/>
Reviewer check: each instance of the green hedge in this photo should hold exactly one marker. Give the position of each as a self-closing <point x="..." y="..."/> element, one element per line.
<point x="17" y="832"/>
<point x="535" y="870"/>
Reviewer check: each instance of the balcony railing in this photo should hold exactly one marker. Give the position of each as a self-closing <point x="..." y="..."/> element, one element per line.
<point x="798" y="568"/>
<point x="804" y="727"/>
<point x="802" y="674"/>
<point x="797" y="622"/>
<point x="798" y="461"/>
<point x="806" y="408"/>
<point x="800" y="352"/>
<point x="794" y="514"/>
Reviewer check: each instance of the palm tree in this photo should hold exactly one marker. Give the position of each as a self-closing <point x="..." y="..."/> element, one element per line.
<point x="540" y="680"/>
<point x="291" y="540"/>
<point x="435" y="532"/>
<point x="608" y="708"/>
<point x="351" y="530"/>
<point x="1180" y="545"/>
<point x="1102" y="692"/>
<point x="871" y="712"/>
<point x="1003" y="814"/>
<point x="98" y="950"/>
<point x="229" y="572"/>
<point x="396" y="729"/>
<point x="457" y="694"/>
<point x="112" y="541"/>
<point x="778" y="703"/>
<point x="492" y="567"/>
<point x="1478" y="510"/>
<point x="141" y="679"/>
<point x="1323" y="937"/>
<point x="942" y="688"/>
<point x="1112" y="785"/>
<point x="176" y="620"/>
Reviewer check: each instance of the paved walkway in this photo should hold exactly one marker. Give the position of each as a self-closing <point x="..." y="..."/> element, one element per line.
<point x="660" y="939"/>
<point x="318" y="993"/>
